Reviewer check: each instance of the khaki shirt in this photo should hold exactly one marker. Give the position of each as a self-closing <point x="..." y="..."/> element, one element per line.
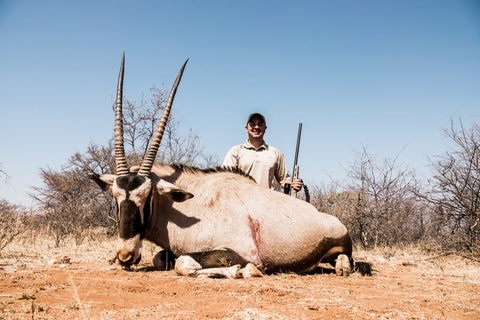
<point x="266" y="165"/>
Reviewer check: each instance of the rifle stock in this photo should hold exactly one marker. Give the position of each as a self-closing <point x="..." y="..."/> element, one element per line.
<point x="293" y="192"/>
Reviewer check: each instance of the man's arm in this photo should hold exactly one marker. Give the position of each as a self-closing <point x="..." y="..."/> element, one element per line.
<point x="281" y="173"/>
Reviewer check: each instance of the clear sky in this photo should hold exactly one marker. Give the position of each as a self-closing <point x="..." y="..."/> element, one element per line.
<point x="383" y="74"/>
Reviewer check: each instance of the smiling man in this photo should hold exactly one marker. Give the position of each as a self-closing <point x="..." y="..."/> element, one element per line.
<point x="264" y="163"/>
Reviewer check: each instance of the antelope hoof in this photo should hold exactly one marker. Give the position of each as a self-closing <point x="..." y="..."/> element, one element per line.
<point x="342" y="266"/>
<point x="250" y="271"/>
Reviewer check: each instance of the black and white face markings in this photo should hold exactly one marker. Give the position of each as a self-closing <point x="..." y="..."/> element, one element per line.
<point x="132" y="193"/>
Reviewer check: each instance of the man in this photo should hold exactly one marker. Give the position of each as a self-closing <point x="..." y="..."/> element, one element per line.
<point x="264" y="163"/>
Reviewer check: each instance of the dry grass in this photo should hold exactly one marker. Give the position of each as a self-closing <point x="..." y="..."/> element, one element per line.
<point x="35" y="251"/>
<point x="406" y="284"/>
<point x="458" y="265"/>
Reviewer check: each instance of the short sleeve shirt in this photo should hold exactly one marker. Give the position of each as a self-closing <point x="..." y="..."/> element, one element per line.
<point x="266" y="165"/>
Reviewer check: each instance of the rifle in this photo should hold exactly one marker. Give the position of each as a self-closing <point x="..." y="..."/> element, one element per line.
<point x="288" y="189"/>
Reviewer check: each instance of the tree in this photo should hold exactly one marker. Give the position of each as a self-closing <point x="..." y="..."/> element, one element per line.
<point x="140" y="122"/>
<point x="72" y="204"/>
<point x="3" y="175"/>
<point x="12" y="218"/>
<point x="384" y="207"/>
<point x="455" y="191"/>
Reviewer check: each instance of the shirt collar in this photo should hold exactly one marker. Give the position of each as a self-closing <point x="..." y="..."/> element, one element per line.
<point x="248" y="145"/>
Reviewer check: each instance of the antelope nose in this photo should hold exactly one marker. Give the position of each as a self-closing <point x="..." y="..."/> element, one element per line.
<point x="125" y="258"/>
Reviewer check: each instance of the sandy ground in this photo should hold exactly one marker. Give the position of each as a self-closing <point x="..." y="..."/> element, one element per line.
<point x="86" y="286"/>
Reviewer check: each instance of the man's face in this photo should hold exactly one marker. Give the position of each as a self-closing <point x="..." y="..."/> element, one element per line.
<point x="256" y="128"/>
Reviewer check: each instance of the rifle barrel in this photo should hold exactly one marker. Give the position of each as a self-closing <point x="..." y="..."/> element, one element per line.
<point x="298" y="143"/>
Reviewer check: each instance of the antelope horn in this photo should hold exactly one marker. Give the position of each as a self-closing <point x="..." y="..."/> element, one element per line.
<point x="120" y="159"/>
<point x="147" y="162"/>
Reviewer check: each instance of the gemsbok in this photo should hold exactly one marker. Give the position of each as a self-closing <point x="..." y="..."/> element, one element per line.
<point x="217" y="222"/>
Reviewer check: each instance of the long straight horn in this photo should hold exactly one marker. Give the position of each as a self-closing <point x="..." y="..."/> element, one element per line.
<point x="120" y="159"/>
<point x="157" y="137"/>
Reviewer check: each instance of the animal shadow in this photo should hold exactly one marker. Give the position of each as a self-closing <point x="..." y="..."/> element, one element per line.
<point x="365" y="268"/>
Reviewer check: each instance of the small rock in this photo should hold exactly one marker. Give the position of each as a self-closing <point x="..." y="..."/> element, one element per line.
<point x="59" y="258"/>
<point x="407" y="263"/>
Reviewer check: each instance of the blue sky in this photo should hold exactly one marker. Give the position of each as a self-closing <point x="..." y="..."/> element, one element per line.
<point x="383" y="74"/>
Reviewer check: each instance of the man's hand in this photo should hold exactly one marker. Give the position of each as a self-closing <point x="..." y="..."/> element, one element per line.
<point x="297" y="184"/>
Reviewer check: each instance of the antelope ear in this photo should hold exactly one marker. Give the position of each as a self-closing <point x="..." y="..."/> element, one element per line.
<point x="104" y="181"/>
<point x="172" y="192"/>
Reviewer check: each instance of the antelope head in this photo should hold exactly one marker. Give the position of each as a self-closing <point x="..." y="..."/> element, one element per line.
<point x="133" y="190"/>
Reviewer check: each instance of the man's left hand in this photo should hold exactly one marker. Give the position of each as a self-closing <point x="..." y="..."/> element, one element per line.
<point x="297" y="184"/>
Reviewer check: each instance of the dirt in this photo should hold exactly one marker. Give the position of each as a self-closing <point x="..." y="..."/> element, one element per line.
<point x="445" y="287"/>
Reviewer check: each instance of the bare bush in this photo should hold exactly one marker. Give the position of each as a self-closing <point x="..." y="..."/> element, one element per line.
<point x="386" y="209"/>
<point x="455" y="188"/>
<point x="68" y="204"/>
<point x="12" y="218"/>
<point x="379" y="205"/>
<point x="72" y="205"/>
<point x="98" y="159"/>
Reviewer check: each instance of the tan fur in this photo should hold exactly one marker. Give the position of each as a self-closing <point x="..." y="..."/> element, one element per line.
<point x="271" y="230"/>
<point x="202" y="211"/>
